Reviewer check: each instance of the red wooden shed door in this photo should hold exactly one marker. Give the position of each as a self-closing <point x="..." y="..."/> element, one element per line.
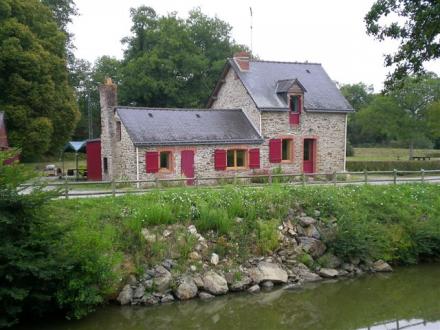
<point x="187" y="165"/>
<point x="309" y="156"/>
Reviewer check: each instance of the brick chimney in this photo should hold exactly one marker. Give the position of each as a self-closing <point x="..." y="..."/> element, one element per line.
<point x="108" y="99"/>
<point x="242" y="60"/>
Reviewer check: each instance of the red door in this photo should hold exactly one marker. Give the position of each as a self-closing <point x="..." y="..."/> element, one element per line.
<point x="93" y="151"/>
<point x="309" y="156"/>
<point x="187" y="165"/>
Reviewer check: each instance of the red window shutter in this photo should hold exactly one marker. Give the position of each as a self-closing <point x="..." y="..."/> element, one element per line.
<point x="152" y="161"/>
<point x="220" y="159"/>
<point x="299" y="104"/>
<point x="294" y="118"/>
<point x="254" y="158"/>
<point x="275" y="151"/>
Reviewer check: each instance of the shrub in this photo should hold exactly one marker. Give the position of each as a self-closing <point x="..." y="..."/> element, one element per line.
<point x="307" y="260"/>
<point x="267" y="235"/>
<point x="349" y="152"/>
<point x="213" y="219"/>
<point x="409" y="165"/>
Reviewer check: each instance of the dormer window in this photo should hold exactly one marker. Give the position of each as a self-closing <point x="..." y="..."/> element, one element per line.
<point x="294" y="103"/>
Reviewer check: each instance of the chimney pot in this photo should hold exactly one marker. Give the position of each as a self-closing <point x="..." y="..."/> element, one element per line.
<point x="242" y="60"/>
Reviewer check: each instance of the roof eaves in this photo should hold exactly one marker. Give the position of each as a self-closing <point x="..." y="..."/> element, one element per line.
<point x="199" y="142"/>
<point x="330" y="110"/>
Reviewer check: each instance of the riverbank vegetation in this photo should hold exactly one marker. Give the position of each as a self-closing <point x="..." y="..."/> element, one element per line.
<point x="72" y="255"/>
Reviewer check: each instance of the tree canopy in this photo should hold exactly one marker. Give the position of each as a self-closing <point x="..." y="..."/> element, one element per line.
<point x="415" y="24"/>
<point x="40" y="106"/>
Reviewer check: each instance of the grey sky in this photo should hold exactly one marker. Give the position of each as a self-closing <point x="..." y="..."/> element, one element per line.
<point x="328" y="32"/>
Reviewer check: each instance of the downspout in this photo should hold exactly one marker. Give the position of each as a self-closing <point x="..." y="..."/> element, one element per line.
<point x="137" y="167"/>
<point x="345" y="139"/>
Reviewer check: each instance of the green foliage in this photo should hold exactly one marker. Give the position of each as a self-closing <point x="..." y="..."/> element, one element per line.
<point x="34" y="92"/>
<point x="409" y="165"/>
<point x="307" y="260"/>
<point x="213" y="219"/>
<point x="267" y="235"/>
<point x="415" y="27"/>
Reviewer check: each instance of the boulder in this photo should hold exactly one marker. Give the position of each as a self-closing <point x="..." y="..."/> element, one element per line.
<point x="329" y="260"/>
<point x="306" y="221"/>
<point x="150" y="299"/>
<point x="187" y="289"/>
<point x="214" y="283"/>
<point x="312" y="246"/>
<point x="162" y="279"/>
<point x="241" y="284"/>
<point x="382" y="266"/>
<point x="139" y="292"/>
<point x="267" y="271"/>
<point x="205" y="295"/>
<point x="126" y="295"/>
<point x="267" y="284"/>
<point x="192" y="230"/>
<point x="198" y="281"/>
<point x="254" y="289"/>
<point x="328" y="272"/>
<point x="214" y="259"/>
<point x="304" y="274"/>
<point x="167" y="298"/>
<point x="309" y="231"/>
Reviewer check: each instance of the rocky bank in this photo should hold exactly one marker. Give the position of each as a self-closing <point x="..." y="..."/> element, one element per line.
<point x="301" y="257"/>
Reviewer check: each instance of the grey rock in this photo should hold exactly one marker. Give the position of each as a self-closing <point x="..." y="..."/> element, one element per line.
<point x="343" y="272"/>
<point x="139" y="292"/>
<point x="162" y="279"/>
<point x="168" y="264"/>
<point x="148" y="284"/>
<point x="329" y="260"/>
<point x="214" y="283"/>
<point x="241" y="284"/>
<point x="355" y="260"/>
<point x="198" y="281"/>
<point x="382" y="266"/>
<point x="266" y="271"/>
<point x="132" y="280"/>
<point x="306" y="221"/>
<point x="167" y="298"/>
<point x="309" y="231"/>
<point x="312" y="246"/>
<point x="304" y="274"/>
<point x="328" y="272"/>
<point x="126" y="295"/>
<point x="187" y="289"/>
<point x="254" y="289"/>
<point x="150" y="299"/>
<point x="205" y="295"/>
<point x="194" y="256"/>
<point x="149" y="237"/>
<point x="348" y="267"/>
<point x="214" y="259"/>
<point x="267" y="284"/>
<point x="317" y="213"/>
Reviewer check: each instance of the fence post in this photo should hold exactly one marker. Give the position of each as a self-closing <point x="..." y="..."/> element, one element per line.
<point x="365" y="176"/>
<point x="303" y="177"/>
<point x="423" y="175"/>
<point x="270" y="178"/>
<point x="156" y="182"/>
<point x="395" y="176"/>
<point x="334" y="178"/>
<point x="66" y="188"/>
<point x="113" y="188"/>
<point x="196" y="181"/>
<point x="235" y="179"/>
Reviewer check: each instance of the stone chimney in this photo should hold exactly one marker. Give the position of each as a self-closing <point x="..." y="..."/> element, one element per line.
<point x="242" y="60"/>
<point x="108" y="99"/>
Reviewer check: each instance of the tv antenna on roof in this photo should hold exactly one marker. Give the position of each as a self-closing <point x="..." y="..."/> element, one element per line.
<point x="250" y="9"/>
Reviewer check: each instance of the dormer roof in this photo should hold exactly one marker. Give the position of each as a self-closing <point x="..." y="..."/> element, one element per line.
<point x="284" y="85"/>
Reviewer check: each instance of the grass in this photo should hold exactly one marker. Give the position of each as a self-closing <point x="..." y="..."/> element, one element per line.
<point x="366" y="154"/>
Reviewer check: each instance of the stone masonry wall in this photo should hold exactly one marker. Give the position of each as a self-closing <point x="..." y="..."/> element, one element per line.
<point x="234" y="95"/>
<point x="327" y="128"/>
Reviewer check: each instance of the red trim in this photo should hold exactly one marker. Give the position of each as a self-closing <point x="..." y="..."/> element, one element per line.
<point x="152" y="161"/>
<point x="254" y="158"/>
<point x="314" y="154"/>
<point x="275" y="150"/>
<point x="220" y="159"/>
<point x="294" y="118"/>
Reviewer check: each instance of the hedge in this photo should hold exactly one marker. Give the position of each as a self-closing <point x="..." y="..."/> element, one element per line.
<point x="402" y="165"/>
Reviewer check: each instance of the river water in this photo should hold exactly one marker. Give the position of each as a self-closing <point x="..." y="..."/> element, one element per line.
<point x="409" y="298"/>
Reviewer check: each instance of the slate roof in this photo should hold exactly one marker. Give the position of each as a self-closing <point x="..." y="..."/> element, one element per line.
<point x="162" y="126"/>
<point x="263" y="77"/>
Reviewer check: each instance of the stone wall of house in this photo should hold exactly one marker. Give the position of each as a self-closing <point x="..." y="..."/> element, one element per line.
<point x="125" y="160"/>
<point x="233" y="94"/>
<point x="327" y="128"/>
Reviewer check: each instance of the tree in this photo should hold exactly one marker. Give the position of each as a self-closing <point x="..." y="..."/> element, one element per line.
<point x="34" y="91"/>
<point x="171" y="62"/>
<point x="359" y="96"/>
<point x="416" y="25"/>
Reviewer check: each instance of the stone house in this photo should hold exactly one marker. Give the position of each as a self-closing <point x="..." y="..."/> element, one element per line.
<point x="261" y="116"/>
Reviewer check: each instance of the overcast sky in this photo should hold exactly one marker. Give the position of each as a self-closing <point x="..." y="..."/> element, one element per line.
<point x="328" y="32"/>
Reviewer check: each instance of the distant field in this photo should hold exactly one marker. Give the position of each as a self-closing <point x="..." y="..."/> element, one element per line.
<point x="69" y="163"/>
<point x="361" y="154"/>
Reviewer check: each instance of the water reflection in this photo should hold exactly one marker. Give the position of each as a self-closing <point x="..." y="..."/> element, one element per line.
<point x="371" y="302"/>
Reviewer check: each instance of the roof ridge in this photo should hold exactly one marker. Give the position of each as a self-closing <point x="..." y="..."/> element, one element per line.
<point x="173" y="109"/>
<point x="285" y="62"/>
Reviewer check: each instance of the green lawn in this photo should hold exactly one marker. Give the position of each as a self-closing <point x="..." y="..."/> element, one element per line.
<point x="69" y="163"/>
<point x="365" y="154"/>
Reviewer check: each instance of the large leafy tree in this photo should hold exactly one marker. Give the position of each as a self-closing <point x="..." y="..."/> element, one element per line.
<point x="415" y="24"/>
<point x="34" y="91"/>
<point x="172" y="62"/>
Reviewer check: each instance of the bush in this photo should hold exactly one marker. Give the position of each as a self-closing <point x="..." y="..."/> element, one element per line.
<point x="409" y="165"/>
<point x="267" y="235"/>
<point x="349" y="152"/>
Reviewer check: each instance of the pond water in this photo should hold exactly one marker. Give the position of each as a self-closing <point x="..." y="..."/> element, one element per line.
<point x="409" y="298"/>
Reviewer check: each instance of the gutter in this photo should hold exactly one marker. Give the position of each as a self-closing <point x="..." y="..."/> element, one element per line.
<point x="198" y="142"/>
